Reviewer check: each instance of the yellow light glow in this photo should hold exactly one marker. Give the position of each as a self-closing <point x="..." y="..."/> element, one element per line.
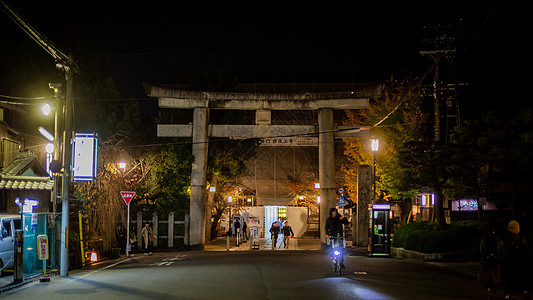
<point x="46" y="109"/>
<point x="374" y="145"/>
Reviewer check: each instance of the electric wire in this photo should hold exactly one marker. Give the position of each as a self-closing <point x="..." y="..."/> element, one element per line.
<point x="460" y="31"/>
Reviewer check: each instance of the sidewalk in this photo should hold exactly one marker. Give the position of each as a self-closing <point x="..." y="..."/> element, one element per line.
<point x="221" y="244"/>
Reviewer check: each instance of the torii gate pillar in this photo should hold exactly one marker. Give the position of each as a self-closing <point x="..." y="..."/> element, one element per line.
<point x="326" y="162"/>
<point x="198" y="178"/>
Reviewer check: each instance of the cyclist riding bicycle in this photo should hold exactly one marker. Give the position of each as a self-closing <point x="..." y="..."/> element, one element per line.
<point x="334" y="228"/>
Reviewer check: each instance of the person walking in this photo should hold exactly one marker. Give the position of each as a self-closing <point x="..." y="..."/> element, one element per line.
<point x="148" y="238"/>
<point x="515" y="261"/>
<point x="491" y="249"/>
<point x="237" y="227"/>
<point x="244" y="233"/>
<point x="287" y="234"/>
<point x="274" y="231"/>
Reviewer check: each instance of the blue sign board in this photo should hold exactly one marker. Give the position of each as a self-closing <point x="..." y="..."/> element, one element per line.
<point x="342" y="201"/>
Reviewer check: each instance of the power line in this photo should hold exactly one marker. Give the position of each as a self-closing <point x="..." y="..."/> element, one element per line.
<point x="62" y="60"/>
<point x="460" y="31"/>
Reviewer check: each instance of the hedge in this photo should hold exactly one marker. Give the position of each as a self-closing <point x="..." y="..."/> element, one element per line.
<point x="429" y="238"/>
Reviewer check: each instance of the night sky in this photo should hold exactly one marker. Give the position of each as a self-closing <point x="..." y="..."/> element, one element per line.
<point x="258" y="41"/>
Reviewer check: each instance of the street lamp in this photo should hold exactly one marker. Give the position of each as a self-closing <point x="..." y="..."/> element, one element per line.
<point x="46" y="109"/>
<point x="230" y="200"/>
<point x="318" y="202"/>
<point x="375" y="147"/>
<point x="46" y="134"/>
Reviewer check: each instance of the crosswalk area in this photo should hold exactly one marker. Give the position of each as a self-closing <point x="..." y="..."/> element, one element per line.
<point x="168" y="261"/>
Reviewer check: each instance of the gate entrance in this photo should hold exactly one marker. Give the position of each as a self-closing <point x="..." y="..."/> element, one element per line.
<point x="263" y="104"/>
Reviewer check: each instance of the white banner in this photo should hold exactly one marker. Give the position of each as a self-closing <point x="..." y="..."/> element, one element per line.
<point x="290" y="142"/>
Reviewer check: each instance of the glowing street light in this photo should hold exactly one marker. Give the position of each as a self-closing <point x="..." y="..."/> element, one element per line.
<point x="50" y="148"/>
<point x="46" y="109"/>
<point x="122" y="165"/>
<point x="46" y="134"/>
<point x="374" y="145"/>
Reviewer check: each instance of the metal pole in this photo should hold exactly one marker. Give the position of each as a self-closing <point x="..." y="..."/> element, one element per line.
<point x="67" y="158"/>
<point x="374" y="180"/>
<point x="81" y="239"/>
<point x="128" y="233"/>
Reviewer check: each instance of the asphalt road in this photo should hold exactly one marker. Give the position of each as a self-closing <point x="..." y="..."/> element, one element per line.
<point x="254" y="275"/>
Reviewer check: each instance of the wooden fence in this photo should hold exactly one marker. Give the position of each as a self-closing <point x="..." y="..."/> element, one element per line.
<point x="171" y="225"/>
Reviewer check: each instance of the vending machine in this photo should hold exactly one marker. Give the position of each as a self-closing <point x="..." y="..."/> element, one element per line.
<point x="380" y="230"/>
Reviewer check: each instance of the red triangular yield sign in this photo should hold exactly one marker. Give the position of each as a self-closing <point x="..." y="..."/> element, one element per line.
<point x="127" y="196"/>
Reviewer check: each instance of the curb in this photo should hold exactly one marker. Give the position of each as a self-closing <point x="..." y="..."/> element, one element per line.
<point x="25" y="281"/>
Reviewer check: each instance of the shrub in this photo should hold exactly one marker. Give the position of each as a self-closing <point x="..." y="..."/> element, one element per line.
<point x="429" y="238"/>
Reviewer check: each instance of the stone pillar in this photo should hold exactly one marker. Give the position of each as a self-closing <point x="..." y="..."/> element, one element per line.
<point x="139" y="228"/>
<point x="198" y="178"/>
<point x="170" y="230"/>
<point x="364" y="195"/>
<point x="155" y="228"/>
<point x="326" y="166"/>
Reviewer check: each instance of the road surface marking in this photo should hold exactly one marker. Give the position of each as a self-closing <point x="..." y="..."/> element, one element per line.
<point x="107" y="267"/>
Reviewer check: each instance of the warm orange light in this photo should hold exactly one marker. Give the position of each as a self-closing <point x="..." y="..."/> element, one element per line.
<point x="94" y="257"/>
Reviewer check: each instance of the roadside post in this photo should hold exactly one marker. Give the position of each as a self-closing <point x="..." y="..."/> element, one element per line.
<point x="254" y="238"/>
<point x="127" y="196"/>
<point x="18" y="268"/>
<point x="342" y="203"/>
<point x="43" y="254"/>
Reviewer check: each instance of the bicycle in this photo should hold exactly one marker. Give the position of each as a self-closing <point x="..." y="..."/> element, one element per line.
<point x="337" y="253"/>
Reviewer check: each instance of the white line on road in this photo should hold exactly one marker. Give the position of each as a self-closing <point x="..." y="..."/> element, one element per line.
<point x="106" y="267"/>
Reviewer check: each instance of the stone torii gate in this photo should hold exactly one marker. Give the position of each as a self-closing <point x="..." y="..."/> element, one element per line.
<point x="263" y="104"/>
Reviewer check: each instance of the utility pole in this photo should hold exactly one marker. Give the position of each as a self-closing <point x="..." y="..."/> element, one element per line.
<point x="67" y="162"/>
<point x="443" y="46"/>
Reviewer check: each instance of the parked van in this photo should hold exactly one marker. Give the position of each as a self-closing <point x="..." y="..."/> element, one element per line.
<point x="8" y="224"/>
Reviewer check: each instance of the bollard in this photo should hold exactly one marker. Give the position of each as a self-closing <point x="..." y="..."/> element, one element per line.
<point x="18" y="267"/>
<point x="227" y="242"/>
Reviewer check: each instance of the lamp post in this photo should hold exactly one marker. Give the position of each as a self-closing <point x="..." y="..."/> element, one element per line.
<point x="375" y="147"/>
<point x="122" y="167"/>
<point x="230" y="199"/>
<point x="318" y="202"/>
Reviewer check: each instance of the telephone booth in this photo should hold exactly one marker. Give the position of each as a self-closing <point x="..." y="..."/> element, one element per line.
<point x="380" y="230"/>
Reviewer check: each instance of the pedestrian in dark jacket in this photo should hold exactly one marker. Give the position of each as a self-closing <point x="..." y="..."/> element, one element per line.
<point x="334" y="223"/>
<point x="490" y="249"/>
<point x="274" y="231"/>
<point x="244" y="229"/>
<point x="515" y="261"/>
<point x="287" y="233"/>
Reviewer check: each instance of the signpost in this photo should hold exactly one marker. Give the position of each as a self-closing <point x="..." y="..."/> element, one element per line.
<point x="127" y="196"/>
<point x="342" y="201"/>
<point x="42" y="245"/>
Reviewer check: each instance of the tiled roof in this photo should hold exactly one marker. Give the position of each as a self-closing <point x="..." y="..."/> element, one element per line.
<point x="26" y="183"/>
<point x="12" y="178"/>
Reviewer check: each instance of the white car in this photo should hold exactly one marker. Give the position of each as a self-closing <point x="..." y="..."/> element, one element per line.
<point x="8" y="224"/>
